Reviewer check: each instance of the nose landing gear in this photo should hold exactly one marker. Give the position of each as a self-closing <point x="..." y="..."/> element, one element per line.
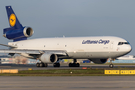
<point x="111" y="65"/>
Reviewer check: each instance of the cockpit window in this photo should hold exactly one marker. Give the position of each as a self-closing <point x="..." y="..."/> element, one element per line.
<point x="121" y="43"/>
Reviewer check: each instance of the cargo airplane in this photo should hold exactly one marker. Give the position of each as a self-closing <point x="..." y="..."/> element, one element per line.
<point x="50" y="50"/>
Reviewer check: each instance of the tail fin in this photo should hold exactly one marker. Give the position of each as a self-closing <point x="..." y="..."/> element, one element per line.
<point x="16" y="32"/>
<point x="13" y="21"/>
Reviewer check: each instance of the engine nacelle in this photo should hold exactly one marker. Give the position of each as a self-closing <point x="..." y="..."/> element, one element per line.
<point x="99" y="61"/>
<point x="48" y="58"/>
<point x="18" y="33"/>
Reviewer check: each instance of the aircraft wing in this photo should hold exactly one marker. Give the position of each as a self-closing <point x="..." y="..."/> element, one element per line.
<point x="38" y="52"/>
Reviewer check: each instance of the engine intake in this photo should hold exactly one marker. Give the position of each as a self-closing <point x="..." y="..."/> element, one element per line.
<point x="28" y="31"/>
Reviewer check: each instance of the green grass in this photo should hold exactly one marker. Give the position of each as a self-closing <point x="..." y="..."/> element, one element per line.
<point x="65" y="72"/>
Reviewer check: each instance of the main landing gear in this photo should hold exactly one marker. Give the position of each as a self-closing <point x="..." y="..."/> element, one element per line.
<point x="74" y="64"/>
<point x="56" y="64"/>
<point x="41" y="64"/>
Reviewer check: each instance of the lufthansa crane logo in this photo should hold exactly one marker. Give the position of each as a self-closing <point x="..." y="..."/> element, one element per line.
<point x="12" y="19"/>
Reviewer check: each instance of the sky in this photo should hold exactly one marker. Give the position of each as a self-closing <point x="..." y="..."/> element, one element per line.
<point x="73" y="18"/>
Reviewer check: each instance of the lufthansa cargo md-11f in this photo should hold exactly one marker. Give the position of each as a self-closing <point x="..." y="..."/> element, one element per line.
<point x="51" y="50"/>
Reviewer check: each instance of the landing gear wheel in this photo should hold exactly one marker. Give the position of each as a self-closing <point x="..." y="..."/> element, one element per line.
<point x="111" y="65"/>
<point x="41" y="65"/>
<point x="70" y="64"/>
<point x="77" y="65"/>
<point x="74" y="65"/>
<point x="56" y="64"/>
<point x="45" y="65"/>
<point x="37" y="64"/>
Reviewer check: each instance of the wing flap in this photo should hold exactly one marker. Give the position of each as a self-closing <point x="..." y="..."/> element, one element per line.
<point x="19" y="51"/>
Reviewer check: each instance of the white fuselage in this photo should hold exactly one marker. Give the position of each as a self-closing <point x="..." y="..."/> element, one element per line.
<point x="79" y="47"/>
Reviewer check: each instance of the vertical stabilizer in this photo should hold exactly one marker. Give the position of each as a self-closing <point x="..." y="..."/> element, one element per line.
<point x="12" y="18"/>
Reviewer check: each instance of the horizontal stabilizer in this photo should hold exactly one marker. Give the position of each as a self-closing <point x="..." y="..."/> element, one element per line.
<point x="8" y="46"/>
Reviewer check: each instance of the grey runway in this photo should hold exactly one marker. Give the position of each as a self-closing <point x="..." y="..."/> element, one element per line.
<point x="67" y="83"/>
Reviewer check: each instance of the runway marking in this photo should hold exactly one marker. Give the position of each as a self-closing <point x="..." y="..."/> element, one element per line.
<point x="119" y="72"/>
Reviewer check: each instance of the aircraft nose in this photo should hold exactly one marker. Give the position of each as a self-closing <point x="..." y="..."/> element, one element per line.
<point x="129" y="48"/>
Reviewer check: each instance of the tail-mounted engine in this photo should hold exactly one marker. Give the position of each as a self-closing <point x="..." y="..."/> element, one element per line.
<point x="18" y="34"/>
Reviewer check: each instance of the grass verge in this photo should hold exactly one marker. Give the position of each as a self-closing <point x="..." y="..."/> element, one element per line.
<point x="58" y="72"/>
<point x="63" y="72"/>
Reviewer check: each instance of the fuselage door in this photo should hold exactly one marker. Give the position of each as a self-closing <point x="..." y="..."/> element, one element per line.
<point x="111" y="46"/>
